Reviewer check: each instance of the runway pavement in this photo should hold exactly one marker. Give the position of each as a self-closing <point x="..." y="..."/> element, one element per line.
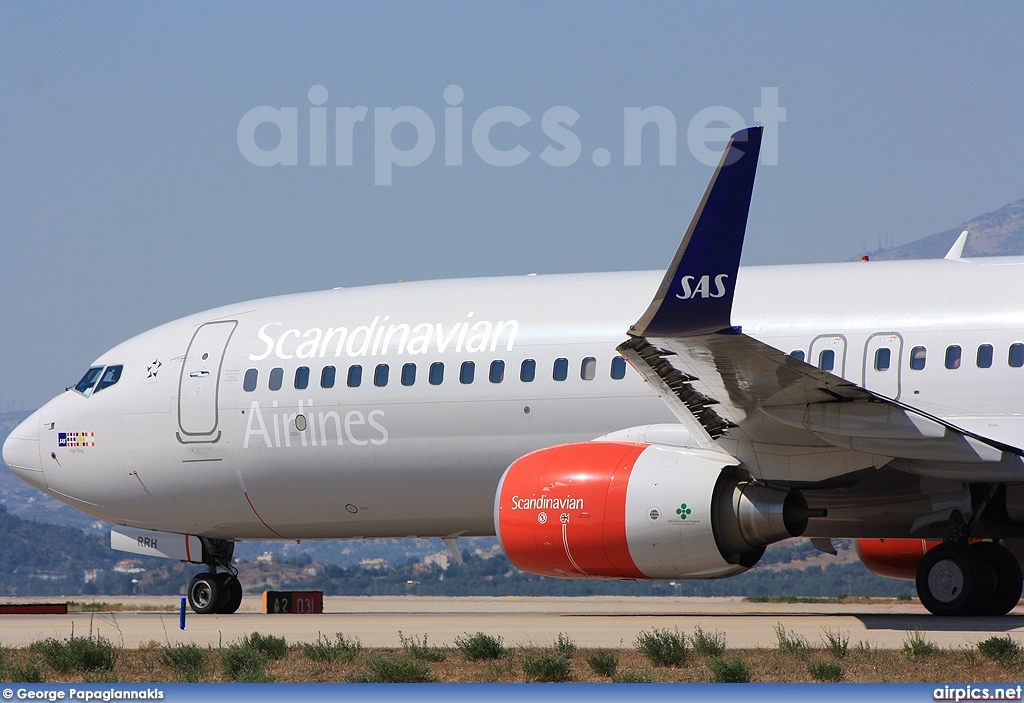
<point x="591" y="622"/>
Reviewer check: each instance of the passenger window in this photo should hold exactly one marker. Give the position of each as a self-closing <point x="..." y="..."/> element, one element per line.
<point x="917" y="358"/>
<point x="89" y="380"/>
<point x="249" y="382"/>
<point x="302" y="377"/>
<point x="497" y="372"/>
<point x="528" y="371"/>
<point x="588" y="369"/>
<point x="883" y="359"/>
<point x="408" y="374"/>
<point x="276" y="378"/>
<point x="618" y="368"/>
<point x="467" y="372"/>
<point x="797" y="354"/>
<point x="827" y="360"/>
<point x="436" y="376"/>
<point x="111" y="376"/>
<point x="1016" y="356"/>
<point x="380" y="375"/>
<point x="327" y="377"/>
<point x="355" y="376"/>
<point x="560" y="371"/>
<point x="953" y="353"/>
<point x="985" y="356"/>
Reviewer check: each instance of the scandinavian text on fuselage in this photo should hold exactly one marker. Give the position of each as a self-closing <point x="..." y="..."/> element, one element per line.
<point x="379" y="337"/>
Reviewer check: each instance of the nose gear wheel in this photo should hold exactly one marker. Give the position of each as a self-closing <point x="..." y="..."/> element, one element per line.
<point x="215" y="593"/>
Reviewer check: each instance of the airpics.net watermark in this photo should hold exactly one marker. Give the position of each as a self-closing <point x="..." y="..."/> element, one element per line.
<point x="706" y="135"/>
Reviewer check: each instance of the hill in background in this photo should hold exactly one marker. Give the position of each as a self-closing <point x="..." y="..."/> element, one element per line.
<point x="999" y="233"/>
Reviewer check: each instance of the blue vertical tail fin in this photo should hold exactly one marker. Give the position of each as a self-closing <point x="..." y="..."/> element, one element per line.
<point x="696" y="294"/>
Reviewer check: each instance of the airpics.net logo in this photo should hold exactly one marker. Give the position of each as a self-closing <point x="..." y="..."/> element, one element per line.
<point x="707" y="133"/>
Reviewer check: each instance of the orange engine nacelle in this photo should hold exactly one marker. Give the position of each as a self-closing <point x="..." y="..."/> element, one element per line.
<point x="895" y="558"/>
<point x="634" y="511"/>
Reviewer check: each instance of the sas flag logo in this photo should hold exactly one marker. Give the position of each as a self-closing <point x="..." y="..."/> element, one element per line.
<point x="73" y="440"/>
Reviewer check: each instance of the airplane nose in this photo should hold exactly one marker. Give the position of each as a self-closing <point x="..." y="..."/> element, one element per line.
<point x="21" y="452"/>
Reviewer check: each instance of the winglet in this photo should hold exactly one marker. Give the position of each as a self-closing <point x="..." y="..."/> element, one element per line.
<point x="695" y="296"/>
<point x="956" y="251"/>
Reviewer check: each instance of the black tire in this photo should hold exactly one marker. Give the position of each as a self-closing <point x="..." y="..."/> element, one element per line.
<point x="222" y="579"/>
<point x="1009" y="580"/>
<point x="231" y="593"/>
<point x="204" y="593"/>
<point x="954" y="579"/>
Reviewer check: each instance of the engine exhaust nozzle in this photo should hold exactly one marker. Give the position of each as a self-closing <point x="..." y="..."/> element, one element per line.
<point x="753" y="515"/>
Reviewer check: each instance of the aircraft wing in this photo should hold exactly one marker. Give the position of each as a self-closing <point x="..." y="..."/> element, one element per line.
<point x="735" y="386"/>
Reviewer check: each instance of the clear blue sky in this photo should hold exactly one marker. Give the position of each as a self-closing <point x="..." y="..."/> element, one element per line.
<point x="126" y="201"/>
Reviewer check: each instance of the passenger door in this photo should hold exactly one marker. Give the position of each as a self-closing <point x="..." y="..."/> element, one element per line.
<point x="198" y="387"/>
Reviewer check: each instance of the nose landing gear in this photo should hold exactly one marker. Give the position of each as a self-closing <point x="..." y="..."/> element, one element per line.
<point x="212" y="592"/>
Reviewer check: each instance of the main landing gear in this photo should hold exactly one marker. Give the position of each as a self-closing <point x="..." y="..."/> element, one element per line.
<point x="957" y="578"/>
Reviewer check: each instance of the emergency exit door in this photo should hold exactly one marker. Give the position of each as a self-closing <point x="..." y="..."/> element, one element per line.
<point x="828" y="352"/>
<point x="882" y="356"/>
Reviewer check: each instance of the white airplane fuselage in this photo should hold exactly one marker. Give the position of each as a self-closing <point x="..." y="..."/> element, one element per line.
<point x="179" y="445"/>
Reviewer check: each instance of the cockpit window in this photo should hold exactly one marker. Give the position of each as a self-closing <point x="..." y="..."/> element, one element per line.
<point x="89" y="380"/>
<point x="111" y="375"/>
<point x="97" y="378"/>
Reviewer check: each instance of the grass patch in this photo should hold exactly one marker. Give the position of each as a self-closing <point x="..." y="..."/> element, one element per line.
<point x="969" y="656"/>
<point x="837" y="644"/>
<point x="401" y="668"/>
<point x="825" y="671"/>
<point x="663" y="647"/>
<point x="341" y="650"/>
<point x="917" y="648"/>
<point x="272" y="647"/>
<point x="82" y="654"/>
<point x="498" y="670"/>
<point x="244" y="664"/>
<point x="603" y="663"/>
<point x="708" y="644"/>
<point x="27" y="672"/>
<point x="634" y="676"/>
<point x="246" y="661"/>
<point x="564" y="645"/>
<point x="101" y="676"/>
<point x="479" y="647"/>
<point x="547" y="667"/>
<point x="964" y="663"/>
<point x="420" y="649"/>
<point x="189" y="662"/>
<point x="1000" y="649"/>
<point x="795" y="599"/>
<point x="792" y="644"/>
<point x="732" y="670"/>
<point x="76" y="607"/>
